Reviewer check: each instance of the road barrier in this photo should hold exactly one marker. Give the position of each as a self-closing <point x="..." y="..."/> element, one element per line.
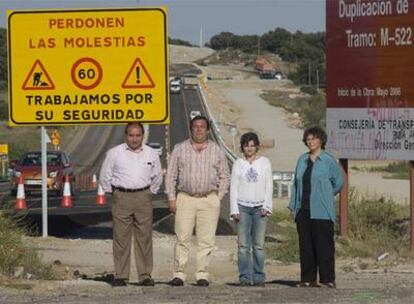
<point x="282" y="180"/>
<point x="100" y="197"/>
<point x="67" y="196"/>
<point x="20" y="197"/>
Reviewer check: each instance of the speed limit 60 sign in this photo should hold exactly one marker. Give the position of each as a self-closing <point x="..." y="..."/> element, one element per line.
<point x="88" y="66"/>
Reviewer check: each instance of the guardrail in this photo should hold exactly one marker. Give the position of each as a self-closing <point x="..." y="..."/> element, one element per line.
<point x="283" y="180"/>
<point x="214" y="127"/>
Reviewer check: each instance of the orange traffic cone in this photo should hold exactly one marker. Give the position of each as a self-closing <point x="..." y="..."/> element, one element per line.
<point x="100" y="197"/>
<point x="94" y="181"/>
<point x="20" y="197"/>
<point x="66" y="198"/>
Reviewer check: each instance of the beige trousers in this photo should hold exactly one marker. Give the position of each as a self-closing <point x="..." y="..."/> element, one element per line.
<point x="203" y="213"/>
<point x="132" y="214"/>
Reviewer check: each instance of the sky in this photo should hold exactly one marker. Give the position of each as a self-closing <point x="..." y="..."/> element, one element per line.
<point x="187" y="17"/>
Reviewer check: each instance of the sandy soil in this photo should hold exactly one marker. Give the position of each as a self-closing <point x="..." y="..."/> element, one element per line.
<point x="235" y="102"/>
<point x="234" y="98"/>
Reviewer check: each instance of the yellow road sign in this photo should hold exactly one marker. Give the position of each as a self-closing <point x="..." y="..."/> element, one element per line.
<point x="93" y="66"/>
<point x="55" y="137"/>
<point x="4" y="149"/>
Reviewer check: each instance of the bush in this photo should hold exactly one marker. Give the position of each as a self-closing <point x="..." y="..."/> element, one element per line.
<point x="4" y="115"/>
<point x="14" y="253"/>
<point x="311" y="109"/>
<point x="395" y="170"/>
<point x="375" y="226"/>
<point x="309" y="90"/>
<point x="287" y="249"/>
<point x="314" y="113"/>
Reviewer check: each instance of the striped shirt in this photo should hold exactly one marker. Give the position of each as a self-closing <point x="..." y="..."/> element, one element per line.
<point x="197" y="172"/>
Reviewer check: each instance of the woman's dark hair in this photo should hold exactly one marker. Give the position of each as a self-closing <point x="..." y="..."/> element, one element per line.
<point x="317" y="132"/>
<point x="134" y="124"/>
<point x="200" y="117"/>
<point x="247" y="137"/>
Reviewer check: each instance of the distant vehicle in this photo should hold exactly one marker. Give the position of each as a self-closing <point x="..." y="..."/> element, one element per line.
<point x="190" y="81"/>
<point x="156" y="146"/>
<point x="175" y="85"/>
<point x="176" y="80"/>
<point x="29" y="166"/>
<point x="194" y="114"/>
<point x="267" y="70"/>
<point x="263" y="65"/>
<point x="175" y="89"/>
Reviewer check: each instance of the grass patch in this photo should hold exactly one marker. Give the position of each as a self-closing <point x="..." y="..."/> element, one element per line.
<point x="375" y="226"/>
<point x="286" y="248"/>
<point x="311" y="109"/>
<point x="394" y="170"/>
<point x="14" y="253"/>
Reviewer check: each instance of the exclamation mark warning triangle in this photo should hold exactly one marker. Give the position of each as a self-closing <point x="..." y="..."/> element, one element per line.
<point x="138" y="77"/>
<point x="38" y="78"/>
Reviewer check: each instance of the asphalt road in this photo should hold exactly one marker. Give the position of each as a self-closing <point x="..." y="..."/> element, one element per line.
<point x="87" y="158"/>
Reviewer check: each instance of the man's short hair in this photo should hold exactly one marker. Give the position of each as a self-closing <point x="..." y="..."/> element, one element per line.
<point x="317" y="132"/>
<point x="200" y="117"/>
<point x="134" y="124"/>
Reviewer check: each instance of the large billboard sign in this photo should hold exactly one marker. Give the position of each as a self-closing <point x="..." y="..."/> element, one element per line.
<point x="370" y="74"/>
<point x="91" y="66"/>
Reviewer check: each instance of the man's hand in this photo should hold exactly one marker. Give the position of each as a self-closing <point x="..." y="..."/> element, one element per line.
<point x="172" y="205"/>
<point x="236" y="217"/>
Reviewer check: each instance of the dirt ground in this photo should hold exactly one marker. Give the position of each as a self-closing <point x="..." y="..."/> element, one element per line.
<point x="234" y="98"/>
<point x="85" y="265"/>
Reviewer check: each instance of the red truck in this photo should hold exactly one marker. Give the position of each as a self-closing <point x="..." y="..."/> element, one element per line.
<point x="266" y="69"/>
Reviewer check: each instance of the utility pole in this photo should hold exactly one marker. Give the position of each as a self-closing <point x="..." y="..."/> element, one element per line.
<point x="309" y="74"/>
<point x="201" y="37"/>
<point x="258" y="45"/>
<point x="317" y="79"/>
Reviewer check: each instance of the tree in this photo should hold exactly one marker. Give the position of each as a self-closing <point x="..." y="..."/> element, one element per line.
<point x="177" y="41"/>
<point x="3" y="55"/>
<point x="222" y="41"/>
<point x="273" y="41"/>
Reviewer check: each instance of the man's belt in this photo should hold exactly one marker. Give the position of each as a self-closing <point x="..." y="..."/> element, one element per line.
<point x="198" y="195"/>
<point x="130" y="190"/>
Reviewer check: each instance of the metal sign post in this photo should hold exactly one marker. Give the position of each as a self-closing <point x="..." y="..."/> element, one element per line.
<point x="43" y="142"/>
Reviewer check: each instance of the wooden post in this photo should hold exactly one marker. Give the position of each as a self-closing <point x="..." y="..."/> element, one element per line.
<point x="412" y="204"/>
<point x="343" y="201"/>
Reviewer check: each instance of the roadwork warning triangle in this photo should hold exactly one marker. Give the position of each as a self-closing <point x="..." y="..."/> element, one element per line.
<point x="38" y="78"/>
<point x="138" y="77"/>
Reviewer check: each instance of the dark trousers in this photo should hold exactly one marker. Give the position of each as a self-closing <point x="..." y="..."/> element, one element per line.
<point x="316" y="247"/>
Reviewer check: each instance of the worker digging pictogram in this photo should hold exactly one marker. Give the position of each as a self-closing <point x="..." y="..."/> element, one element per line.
<point x="38" y="78"/>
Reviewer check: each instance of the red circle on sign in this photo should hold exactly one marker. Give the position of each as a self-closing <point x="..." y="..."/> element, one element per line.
<point x="76" y="80"/>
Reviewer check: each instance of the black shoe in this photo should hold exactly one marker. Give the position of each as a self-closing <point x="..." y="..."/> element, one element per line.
<point x="148" y="282"/>
<point x="118" y="283"/>
<point x="202" y="283"/>
<point x="176" y="282"/>
<point x="308" y="284"/>
<point x="244" y="284"/>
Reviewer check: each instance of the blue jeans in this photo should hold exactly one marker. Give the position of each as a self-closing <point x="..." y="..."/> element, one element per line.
<point x="251" y="236"/>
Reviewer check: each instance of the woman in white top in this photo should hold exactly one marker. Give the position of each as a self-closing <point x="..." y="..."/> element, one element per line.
<point x="251" y="192"/>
